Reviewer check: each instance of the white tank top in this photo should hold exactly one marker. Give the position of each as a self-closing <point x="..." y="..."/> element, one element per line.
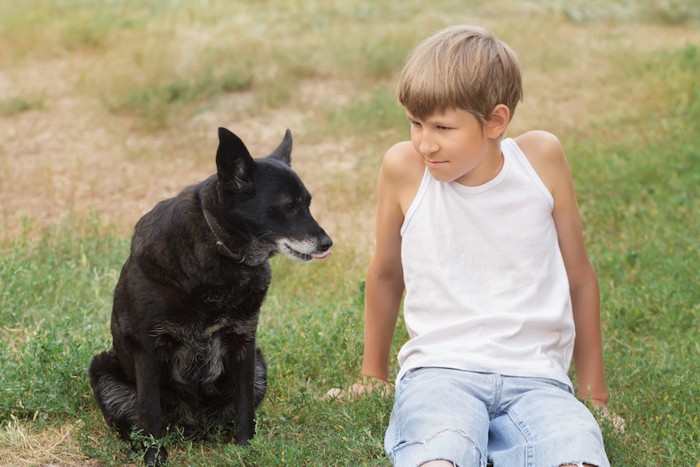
<point x="486" y="288"/>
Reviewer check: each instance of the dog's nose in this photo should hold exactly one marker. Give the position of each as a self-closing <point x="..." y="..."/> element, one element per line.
<point x="325" y="243"/>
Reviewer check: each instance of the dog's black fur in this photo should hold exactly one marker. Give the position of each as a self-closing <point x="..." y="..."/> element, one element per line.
<point x="187" y="301"/>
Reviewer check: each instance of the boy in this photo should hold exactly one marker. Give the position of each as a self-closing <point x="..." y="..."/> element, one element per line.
<point x="484" y="235"/>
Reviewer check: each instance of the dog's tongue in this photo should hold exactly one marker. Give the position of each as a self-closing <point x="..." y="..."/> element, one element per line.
<point x="321" y="255"/>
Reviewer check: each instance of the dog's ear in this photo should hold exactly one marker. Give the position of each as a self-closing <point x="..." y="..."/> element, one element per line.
<point x="234" y="164"/>
<point x="283" y="152"/>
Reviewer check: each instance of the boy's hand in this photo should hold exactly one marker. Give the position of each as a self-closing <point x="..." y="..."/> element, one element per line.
<point x="366" y="387"/>
<point x="617" y="422"/>
<point x="600" y="410"/>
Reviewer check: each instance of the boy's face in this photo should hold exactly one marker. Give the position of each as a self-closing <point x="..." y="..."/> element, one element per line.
<point x="455" y="147"/>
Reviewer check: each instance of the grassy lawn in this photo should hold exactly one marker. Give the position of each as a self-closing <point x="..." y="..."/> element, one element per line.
<point x="618" y="82"/>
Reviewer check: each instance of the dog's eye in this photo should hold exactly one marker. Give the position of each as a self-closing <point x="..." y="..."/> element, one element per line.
<point x="292" y="203"/>
<point x="286" y="207"/>
<point x="285" y="200"/>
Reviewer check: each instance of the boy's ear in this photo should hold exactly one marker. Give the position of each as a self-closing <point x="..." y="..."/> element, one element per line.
<point x="234" y="164"/>
<point x="498" y="121"/>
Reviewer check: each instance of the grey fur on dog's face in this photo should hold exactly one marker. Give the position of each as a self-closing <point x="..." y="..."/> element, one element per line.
<point x="300" y="250"/>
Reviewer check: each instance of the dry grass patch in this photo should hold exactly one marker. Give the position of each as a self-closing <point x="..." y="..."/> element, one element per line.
<point x="22" y="444"/>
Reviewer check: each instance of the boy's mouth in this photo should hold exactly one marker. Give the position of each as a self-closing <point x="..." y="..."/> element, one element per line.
<point x="430" y="163"/>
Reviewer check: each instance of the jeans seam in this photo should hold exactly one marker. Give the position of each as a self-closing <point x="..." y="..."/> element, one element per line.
<point x="525" y="432"/>
<point x="498" y="393"/>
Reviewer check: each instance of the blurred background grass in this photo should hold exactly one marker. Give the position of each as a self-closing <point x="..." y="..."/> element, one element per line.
<point x="99" y="99"/>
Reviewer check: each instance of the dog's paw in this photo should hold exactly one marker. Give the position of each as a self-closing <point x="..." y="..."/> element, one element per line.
<point x="155" y="456"/>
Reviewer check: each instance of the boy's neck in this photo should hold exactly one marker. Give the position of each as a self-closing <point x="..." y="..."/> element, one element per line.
<point x="487" y="169"/>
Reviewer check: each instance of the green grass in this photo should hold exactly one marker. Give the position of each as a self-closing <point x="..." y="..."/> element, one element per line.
<point x="641" y="205"/>
<point x="52" y="328"/>
<point x="637" y="177"/>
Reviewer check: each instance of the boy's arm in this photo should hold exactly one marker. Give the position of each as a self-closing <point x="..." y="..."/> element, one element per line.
<point x="384" y="287"/>
<point x="382" y="301"/>
<point x="399" y="178"/>
<point x="546" y="154"/>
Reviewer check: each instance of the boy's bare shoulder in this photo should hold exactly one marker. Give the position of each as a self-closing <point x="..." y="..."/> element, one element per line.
<point x="545" y="153"/>
<point x="539" y="145"/>
<point x="401" y="174"/>
<point x="401" y="162"/>
<point x="400" y="152"/>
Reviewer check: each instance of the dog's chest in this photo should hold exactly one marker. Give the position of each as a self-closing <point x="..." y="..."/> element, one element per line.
<point x="196" y="346"/>
<point x="196" y="353"/>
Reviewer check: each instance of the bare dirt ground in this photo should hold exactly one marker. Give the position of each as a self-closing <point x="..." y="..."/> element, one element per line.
<point x="72" y="157"/>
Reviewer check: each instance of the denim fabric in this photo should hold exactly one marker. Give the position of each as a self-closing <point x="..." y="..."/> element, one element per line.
<point x="472" y="418"/>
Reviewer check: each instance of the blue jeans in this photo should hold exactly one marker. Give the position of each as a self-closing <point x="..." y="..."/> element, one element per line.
<point x="470" y="418"/>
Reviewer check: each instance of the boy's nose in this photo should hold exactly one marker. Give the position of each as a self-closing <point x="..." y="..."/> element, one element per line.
<point x="427" y="146"/>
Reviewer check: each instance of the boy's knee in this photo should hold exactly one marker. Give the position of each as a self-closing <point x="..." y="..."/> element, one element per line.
<point x="438" y="463"/>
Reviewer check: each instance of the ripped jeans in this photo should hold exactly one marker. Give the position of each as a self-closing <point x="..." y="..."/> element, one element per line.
<point x="471" y="418"/>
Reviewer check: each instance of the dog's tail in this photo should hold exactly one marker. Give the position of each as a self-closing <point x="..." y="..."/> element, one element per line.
<point x="260" y="377"/>
<point x="114" y="394"/>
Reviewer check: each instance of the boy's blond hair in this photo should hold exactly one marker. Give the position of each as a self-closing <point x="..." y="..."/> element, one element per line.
<point x="464" y="67"/>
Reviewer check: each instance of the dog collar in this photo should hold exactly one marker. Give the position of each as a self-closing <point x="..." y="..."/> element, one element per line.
<point x="218" y="233"/>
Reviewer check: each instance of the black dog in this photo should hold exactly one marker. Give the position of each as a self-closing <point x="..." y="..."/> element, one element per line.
<point x="187" y="301"/>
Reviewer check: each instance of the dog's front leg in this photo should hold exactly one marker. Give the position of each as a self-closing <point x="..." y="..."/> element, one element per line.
<point x="242" y="374"/>
<point x="148" y="370"/>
